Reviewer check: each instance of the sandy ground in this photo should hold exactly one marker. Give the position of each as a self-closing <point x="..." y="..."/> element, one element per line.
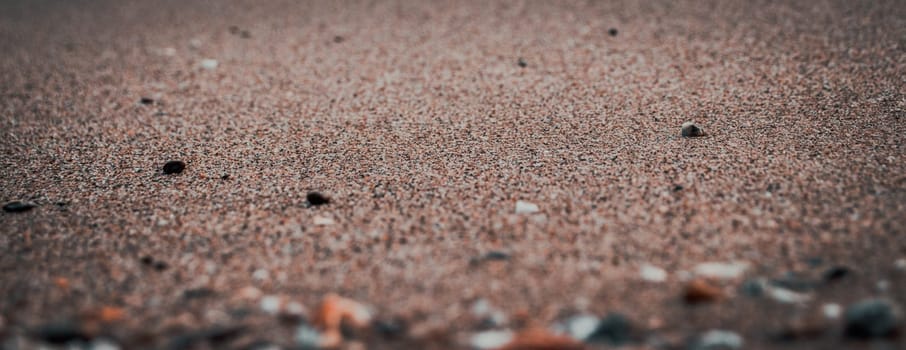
<point x="425" y="122"/>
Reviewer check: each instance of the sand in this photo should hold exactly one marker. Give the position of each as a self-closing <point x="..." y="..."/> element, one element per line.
<point x="425" y="123"/>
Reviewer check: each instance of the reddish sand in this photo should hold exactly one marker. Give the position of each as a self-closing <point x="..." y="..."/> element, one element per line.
<point x="417" y="119"/>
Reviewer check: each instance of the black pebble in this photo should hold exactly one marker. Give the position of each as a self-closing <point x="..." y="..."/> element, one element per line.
<point x="316" y="198"/>
<point x="872" y="318"/>
<point x="613" y="31"/>
<point x="61" y="333"/>
<point x="147" y="260"/>
<point x="677" y="188"/>
<point x="225" y="177"/>
<point x="18" y="207"/>
<point x="836" y="273"/>
<point x="159" y="265"/>
<point x="496" y="255"/>
<point x="522" y="63"/>
<point x="615" y="329"/>
<point x="338" y="39"/>
<point x="146" y="100"/>
<point x="174" y="167"/>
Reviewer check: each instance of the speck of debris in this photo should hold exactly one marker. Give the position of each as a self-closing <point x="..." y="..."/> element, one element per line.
<point x="159" y="265"/>
<point x="522" y="63"/>
<point x="174" y="167"/>
<point x="316" y="199"/>
<point x="691" y="129"/>
<point x="146" y="100"/>
<point x="338" y="39"/>
<point x="18" y="206"/>
<point x="677" y="188"/>
<point x="836" y="273"/>
<point x="613" y="31"/>
<point x="225" y="177"/>
<point x="245" y="34"/>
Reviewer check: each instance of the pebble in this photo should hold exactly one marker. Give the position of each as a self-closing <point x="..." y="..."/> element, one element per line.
<point x="270" y="304"/>
<point x="307" y="337"/>
<point x="613" y="31"/>
<point x="103" y="344"/>
<point x="496" y="256"/>
<point x="872" y="318"/>
<point x="146" y="100"/>
<point x="522" y="63"/>
<point x="836" y="273"/>
<point x="900" y="264"/>
<point x="581" y="327"/>
<point x="653" y="273"/>
<point x="700" y="291"/>
<point x="614" y="329"/>
<point x="752" y="287"/>
<point x="720" y="270"/>
<point x="18" y="206"/>
<point x="174" y="167"/>
<point x="322" y="221"/>
<point x="787" y="296"/>
<point x="316" y="198"/>
<point x="490" y="339"/>
<point x="831" y="311"/>
<point x="523" y="207"/>
<point x="209" y="64"/>
<point x="718" y="340"/>
<point x="61" y="333"/>
<point x="691" y="129"/>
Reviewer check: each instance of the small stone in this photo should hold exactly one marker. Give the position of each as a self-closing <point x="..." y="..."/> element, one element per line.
<point x="539" y="338"/>
<point x="614" y="329"/>
<point x="316" y="199"/>
<point x="496" y="256"/>
<point x="787" y="296"/>
<point x="581" y="327"/>
<point x="613" y="31"/>
<point x="872" y="318"/>
<point x="146" y="100"/>
<point x="270" y="304"/>
<point x="159" y="265"/>
<point x="389" y="329"/>
<point x="690" y="129"/>
<point x="322" y="221"/>
<point x="209" y="64"/>
<point x="718" y="340"/>
<point x="103" y="344"/>
<point x="523" y="207"/>
<point x="701" y="291"/>
<point x="18" y="206"/>
<point x="61" y="333"/>
<point x="261" y="274"/>
<point x="245" y="34"/>
<point x="338" y="39"/>
<point x="836" y="273"/>
<point x="722" y="271"/>
<point x="521" y="62"/>
<point x="146" y="260"/>
<point x="831" y="311"/>
<point x="174" y="167"/>
<point x="233" y="30"/>
<point x="490" y="339"/>
<point x="308" y="337"/>
<point x="900" y="264"/>
<point x="225" y="177"/>
<point x="653" y="273"/>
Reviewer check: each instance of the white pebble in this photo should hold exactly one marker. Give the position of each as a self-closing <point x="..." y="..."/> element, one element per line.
<point x="900" y="264"/>
<point x="261" y="274"/>
<point x="322" y="221"/>
<point x="523" y="207"/>
<point x="832" y="311"/>
<point x="653" y="273"/>
<point x="582" y="326"/>
<point x="490" y="339"/>
<point x="787" y="296"/>
<point x="270" y="304"/>
<point x="719" y="270"/>
<point x="719" y="339"/>
<point x="208" y="63"/>
<point x="103" y="344"/>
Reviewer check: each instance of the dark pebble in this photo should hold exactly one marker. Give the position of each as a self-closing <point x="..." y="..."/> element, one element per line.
<point x="61" y="333"/>
<point x="522" y="63"/>
<point x="338" y="39"/>
<point x="245" y="34"/>
<point x="836" y="273"/>
<point x="174" y="167"/>
<point x="146" y="100"/>
<point x="160" y="265"/>
<point x="615" y="329"/>
<point x="613" y="31"/>
<point x="496" y="255"/>
<point x="752" y="288"/>
<point x="677" y="188"/>
<point x="233" y="30"/>
<point x="225" y="177"/>
<point x="18" y="207"/>
<point x="146" y="260"/>
<point x="197" y="293"/>
<point x="389" y="329"/>
<point x="691" y="130"/>
<point x="316" y="198"/>
<point x="872" y="318"/>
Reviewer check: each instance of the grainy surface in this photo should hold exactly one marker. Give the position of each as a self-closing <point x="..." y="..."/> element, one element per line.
<point x="420" y="123"/>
